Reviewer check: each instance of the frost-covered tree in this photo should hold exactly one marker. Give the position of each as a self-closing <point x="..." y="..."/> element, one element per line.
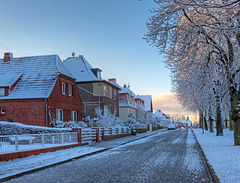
<point x="202" y="36"/>
<point x="107" y="120"/>
<point x="141" y="114"/>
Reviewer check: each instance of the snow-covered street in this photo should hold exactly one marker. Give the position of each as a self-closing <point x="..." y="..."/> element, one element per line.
<point x="169" y="156"/>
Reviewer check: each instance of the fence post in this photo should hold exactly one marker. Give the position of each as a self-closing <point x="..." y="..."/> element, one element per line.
<point x="97" y="134"/>
<point x="62" y="138"/>
<point x="127" y="130"/>
<point x="103" y="133"/>
<point x="111" y="131"/>
<point x="16" y="143"/>
<point x="42" y="140"/>
<point x="117" y="131"/>
<point x="79" y="135"/>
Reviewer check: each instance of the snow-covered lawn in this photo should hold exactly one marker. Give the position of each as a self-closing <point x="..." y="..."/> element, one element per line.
<point x="221" y="154"/>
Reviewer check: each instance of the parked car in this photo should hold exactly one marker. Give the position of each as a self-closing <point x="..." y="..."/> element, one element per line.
<point x="171" y="127"/>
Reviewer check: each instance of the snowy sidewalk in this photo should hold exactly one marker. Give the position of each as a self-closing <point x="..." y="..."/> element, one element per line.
<point x="221" y="154"/>
<point x="10" y="169"/>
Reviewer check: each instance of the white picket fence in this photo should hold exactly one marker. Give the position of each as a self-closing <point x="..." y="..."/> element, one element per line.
<point x="15" y="143"/>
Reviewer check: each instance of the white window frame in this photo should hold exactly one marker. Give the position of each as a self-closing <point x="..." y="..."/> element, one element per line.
<point x="59" y="115"/>
<point x="70" y="89"/>
<point x="63" y="88"/>
<point x="2" y="92"/>
<point x="3" y="111"/>
<point x="74" y="116"/>
<point x="115" y="94"/>
<point x="105" y="91"/>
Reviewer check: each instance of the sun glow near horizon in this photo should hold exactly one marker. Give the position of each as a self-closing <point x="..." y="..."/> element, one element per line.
<point x="168" y="104"/>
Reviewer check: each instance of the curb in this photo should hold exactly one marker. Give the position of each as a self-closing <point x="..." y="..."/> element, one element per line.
<point x="68" y="160"/>
<point x="210" y="168"/>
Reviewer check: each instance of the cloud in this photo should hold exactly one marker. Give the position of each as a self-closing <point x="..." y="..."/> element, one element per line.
<point x="169" y="105"/>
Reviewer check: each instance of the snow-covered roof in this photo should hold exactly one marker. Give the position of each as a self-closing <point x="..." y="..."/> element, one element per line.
<point x="81" y="69"/>
<point x="127" y="91"/>
<point x="147" y="102"/>
<point x="116" y="84"/>
<point x="9" y="79"/>
<point x="128" y="100"/>
<point x="38" y="75"/>
<point x="159" y="114"/>
<point x="185" y="121"/>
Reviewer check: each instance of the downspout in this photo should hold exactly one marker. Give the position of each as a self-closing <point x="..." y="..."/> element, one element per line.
<point x="46" y="112"/>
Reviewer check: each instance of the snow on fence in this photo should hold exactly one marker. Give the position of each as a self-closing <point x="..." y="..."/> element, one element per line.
<point x="89" y="135"/>
<point x="15" y="143"/>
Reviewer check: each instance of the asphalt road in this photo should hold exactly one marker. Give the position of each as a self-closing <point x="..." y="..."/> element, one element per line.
<point x="170" y="156"/>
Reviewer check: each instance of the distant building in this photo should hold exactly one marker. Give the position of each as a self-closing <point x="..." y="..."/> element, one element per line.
<point x="127" y="105"/>
<point x="147" y="102"/>
<point x="94" y="91"/>
<point x="36" y="90"/>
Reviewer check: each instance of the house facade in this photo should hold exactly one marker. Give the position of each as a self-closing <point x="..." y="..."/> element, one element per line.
<point x="37" y="90"/>
<point x="95" y="92"/>
<point x="127" y="104"/>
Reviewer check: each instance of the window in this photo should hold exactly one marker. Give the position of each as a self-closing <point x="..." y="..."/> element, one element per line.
<point x="2" y="91"/>
<point x="2" y="111"/>
<point x="70" y="90"/>
<point x="115" y="94"/>
<point x="63" y="88"/>
<point x="74" y="116"/>
<point x="59" y="115"/>
<point x="105" y="91"/>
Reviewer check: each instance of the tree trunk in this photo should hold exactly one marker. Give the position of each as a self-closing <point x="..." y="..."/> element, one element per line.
<point x="235" y="118"/>
<point x="226" y="123"/>
<point x="230" y="122"/>
<point x="200" y="119"/>
<point x="205" y="124"/>
<point x="219" y="128"/>
<point x="237" y="132"/>
<point x="211" y="124"/>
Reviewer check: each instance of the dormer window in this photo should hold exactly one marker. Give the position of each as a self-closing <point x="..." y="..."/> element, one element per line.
<point x="97" y="72"/>
<point x="63" y="88"/>
<point x="2" y="92"/>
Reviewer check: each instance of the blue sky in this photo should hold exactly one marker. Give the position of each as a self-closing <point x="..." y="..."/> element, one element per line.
<point x="109" y="33"/>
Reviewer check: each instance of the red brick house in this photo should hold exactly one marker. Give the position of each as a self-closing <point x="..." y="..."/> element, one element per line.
<point x="36" y="90"/>
<point x="95" y="92"/>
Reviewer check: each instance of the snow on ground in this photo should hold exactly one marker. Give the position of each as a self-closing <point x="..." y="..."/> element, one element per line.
<point x="192" y="158"/>
<point x="13" y="167"/>
<point x="221" y="154"/>
<point x="9" y="168"/>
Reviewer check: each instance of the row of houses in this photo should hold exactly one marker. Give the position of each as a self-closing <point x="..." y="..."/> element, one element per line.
<point x="38" y="90"/>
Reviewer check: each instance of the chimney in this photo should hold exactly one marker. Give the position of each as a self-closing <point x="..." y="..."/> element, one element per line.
<point x="7" y="56"/>
<point x="112" y="79"/>
<point x="129" y="85"/>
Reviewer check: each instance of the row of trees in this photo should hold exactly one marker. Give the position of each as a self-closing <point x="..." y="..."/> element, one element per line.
<point x="108" y="120"/>
<point x="201" y="42"/>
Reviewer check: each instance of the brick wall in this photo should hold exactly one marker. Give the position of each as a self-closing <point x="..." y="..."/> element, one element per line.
<point x="22" y="154"/>
<point x="27" y="111"/>
<point x="68" y="103"/>
<point x="90" y="102"/>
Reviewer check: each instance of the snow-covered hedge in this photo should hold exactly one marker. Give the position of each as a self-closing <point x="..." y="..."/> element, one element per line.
<point x="70" y="124"/>
<point x="10" y="128"/>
